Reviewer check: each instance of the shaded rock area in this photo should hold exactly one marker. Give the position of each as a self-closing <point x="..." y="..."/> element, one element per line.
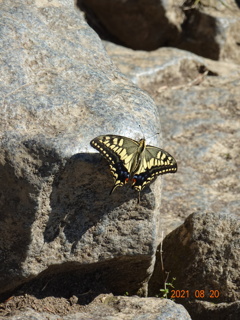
<point x="209" y="310"/>
<point x="207" y="28"/>
<point x="105" y="307"/>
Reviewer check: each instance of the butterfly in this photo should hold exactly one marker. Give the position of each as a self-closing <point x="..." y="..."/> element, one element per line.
<point x="133" y="161"/>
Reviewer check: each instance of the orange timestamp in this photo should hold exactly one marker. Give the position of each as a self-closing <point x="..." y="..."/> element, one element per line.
<point x="198" y="294"/>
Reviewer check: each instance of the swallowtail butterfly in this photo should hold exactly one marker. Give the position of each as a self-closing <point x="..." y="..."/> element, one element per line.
<point x="133" y="161"/>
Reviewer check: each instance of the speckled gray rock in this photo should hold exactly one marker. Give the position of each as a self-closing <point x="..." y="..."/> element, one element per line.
<point x="168" y="68"/>
<point x="59" y="90"/>
<point x="198" y="100"/>
<point x="115" y="308"/>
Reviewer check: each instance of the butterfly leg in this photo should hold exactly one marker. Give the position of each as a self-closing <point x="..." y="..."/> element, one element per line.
<point x="138" y="197"/>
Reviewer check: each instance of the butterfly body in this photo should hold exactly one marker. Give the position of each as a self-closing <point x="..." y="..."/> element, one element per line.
<point x="133" y="161"/>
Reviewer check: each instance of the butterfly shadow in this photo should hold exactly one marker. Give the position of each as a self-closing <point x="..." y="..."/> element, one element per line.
<point x="80" y="198"/>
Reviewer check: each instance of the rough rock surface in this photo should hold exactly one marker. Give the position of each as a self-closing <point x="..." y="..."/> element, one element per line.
<point x="112" y="308"/>
<point x="208" y="310"/>
<point x="203" y="257"/>
<point x="203" y="254"/>
<point x="198" y="101"/>
<point x="55" y="99"/>
<point x="59" y="90"/>
<point x="207" y="28"/>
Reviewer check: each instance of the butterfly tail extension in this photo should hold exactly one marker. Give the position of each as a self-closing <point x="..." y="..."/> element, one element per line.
<point x="114" y="187"/>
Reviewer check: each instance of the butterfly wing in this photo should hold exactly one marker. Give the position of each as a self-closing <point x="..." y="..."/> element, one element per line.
<point x="154" y="161"/>
<point x="120" y="152"/>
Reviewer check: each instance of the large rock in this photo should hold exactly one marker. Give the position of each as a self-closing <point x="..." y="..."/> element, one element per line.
<point x="59" y="90"/>
<point x="105" y="307"/>
<point x="203" y="257"/>
<point x="59" y="228"/>
<point x="199" y="310"/>
<point x="207" y="28"/>
<point x="198" y="101"/>
<point x="137" y="24"/>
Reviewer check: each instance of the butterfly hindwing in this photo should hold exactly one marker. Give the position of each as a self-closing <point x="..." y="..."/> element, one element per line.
<point x="154" y="162"/>
<point x="133" y="161"/>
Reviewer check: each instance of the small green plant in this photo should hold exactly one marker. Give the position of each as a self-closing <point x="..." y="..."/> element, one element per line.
<point x="167" y="287"/>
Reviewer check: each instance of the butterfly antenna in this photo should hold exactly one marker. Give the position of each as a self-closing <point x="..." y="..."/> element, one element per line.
<point x="150" y="136"/>
<point x="141" y="130"/>
<point x="155" y="134"/>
